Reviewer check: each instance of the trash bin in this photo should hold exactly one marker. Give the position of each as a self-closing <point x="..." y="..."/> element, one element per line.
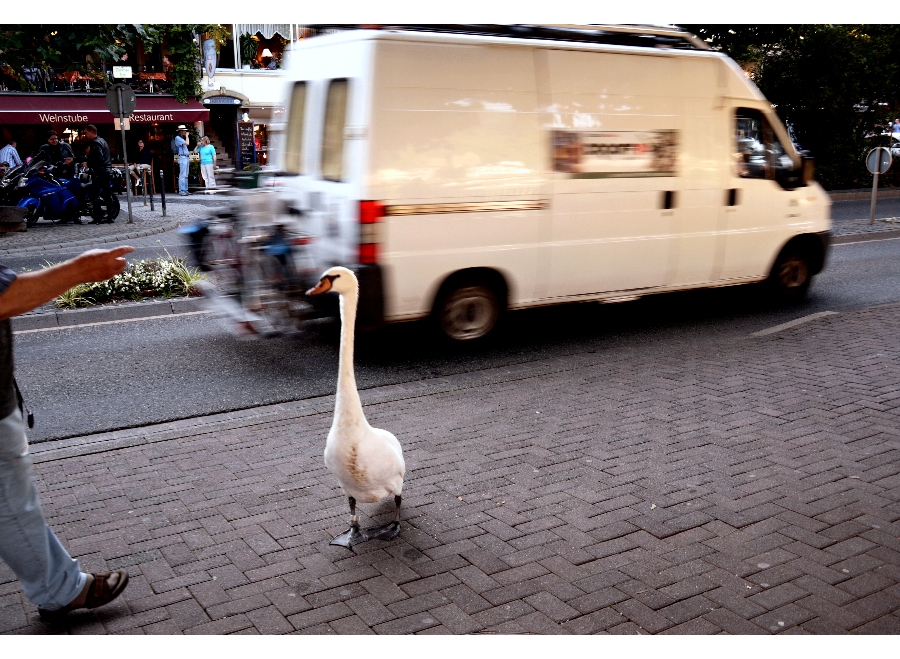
<point x="247" y="180"/>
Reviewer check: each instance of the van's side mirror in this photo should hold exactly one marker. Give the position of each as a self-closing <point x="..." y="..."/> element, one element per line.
<point x="808" y="170"/>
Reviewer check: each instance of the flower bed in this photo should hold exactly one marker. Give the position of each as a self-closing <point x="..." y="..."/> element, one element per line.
<point x="164" y="277"/>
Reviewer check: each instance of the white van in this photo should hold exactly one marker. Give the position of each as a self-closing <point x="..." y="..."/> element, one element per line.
<point x="462" y="175"/>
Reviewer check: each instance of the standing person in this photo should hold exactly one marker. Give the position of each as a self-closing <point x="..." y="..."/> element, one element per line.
<point x="895" y="128"/>
<point x="143" y="163"/>
<point x="99" y="161"/>
<point x="9" y="154"/>
<point x="184" y="159"/>
<point x="51" y="578"/>
<point x="207" y="162"/>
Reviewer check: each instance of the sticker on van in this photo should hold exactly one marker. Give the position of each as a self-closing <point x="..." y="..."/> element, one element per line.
<point x="619" y="154"/>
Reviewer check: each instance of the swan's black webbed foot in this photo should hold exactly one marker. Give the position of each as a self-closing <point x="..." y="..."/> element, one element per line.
<point x="350" y="537"/>
<point x="387" y="531"/>
<point x="384" y="532"/>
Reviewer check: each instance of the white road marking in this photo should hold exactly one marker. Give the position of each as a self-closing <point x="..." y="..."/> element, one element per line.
<point x="110" y="322"/>
<point x="793" y="323"/>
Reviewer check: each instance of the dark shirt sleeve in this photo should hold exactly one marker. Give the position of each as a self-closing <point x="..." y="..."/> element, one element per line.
<point x="7" y="277"/>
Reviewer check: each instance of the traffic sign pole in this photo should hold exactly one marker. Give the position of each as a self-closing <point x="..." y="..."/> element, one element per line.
<point x="878" y="161"/>
<point x="120" y="101"/>
<point x="874" y="197"/>
<point x="125" y="155"/>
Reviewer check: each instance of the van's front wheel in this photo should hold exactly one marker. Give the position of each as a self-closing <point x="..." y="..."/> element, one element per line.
<point x="791" y="275"/>
<point x="467" y="312"/>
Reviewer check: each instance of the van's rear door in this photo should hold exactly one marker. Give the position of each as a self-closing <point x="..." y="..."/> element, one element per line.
<point x="336" y="91"/>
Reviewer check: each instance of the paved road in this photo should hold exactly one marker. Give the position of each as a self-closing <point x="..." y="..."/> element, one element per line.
<point x="94" y="378"/>
<point x="849" y="210"/>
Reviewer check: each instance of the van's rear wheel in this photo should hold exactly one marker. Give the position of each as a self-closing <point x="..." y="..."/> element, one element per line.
<point x="467" y="311"/>
<point x="791" y="276"/>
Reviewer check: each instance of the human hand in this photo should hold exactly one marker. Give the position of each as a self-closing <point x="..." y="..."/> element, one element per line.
<point x="101" y="264"/>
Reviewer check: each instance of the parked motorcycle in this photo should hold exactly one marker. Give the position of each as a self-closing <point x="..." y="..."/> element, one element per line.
<point x="11" y="184"/>
<point x="59" y="200"/>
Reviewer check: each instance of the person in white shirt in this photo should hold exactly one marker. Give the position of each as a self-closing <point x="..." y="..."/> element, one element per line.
<point x="9" y="155"/>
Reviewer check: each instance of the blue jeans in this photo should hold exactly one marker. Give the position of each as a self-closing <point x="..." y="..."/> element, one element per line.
<point x="49" y="576"/>
<point x="184" y="166"/>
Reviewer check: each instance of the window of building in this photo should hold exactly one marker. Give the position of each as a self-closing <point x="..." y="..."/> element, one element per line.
<point x="226" y="52"/>
<point x="293" y="141"/>
<point x="333" y="131"/>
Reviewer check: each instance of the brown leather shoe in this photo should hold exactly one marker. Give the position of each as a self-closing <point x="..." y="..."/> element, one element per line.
<point x="107" y="586"/>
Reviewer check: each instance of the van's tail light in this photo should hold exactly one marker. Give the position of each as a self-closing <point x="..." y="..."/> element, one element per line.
<point x="370" y="214"/>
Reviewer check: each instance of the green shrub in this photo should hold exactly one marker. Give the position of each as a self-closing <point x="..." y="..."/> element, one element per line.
<point x="166" y="277"/>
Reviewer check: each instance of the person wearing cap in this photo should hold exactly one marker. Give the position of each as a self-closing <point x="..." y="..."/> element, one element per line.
<point x="184" y="159"/>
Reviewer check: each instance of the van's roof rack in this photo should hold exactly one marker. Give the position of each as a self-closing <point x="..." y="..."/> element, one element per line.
<point x="647" y="36"/>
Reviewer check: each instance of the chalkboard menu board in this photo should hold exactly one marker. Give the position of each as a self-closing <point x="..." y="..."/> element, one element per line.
<point x="247" y="143"/>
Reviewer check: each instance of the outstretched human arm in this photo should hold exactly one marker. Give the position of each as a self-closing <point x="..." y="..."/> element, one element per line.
<point x="32" y="289"/>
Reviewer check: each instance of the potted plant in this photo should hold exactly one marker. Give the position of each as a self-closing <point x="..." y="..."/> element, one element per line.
<point x="249" y="46"/>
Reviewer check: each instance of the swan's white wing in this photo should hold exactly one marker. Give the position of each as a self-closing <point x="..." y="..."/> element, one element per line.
<point x="394" y="444"/>
<point x="369" y="469"/>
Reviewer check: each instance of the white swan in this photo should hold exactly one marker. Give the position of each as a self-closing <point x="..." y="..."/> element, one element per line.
<point x="368" y="462"/>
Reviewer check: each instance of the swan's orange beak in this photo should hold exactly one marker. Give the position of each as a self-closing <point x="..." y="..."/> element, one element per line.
<point x="323" y="286"/>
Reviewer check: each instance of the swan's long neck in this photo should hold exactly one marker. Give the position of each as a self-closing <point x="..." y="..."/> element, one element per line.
<point x="347" y="407"/>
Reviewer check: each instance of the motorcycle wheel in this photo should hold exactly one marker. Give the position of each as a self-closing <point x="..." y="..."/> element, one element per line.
<point x="32" y="218"/>
<point x="101" y="211"/>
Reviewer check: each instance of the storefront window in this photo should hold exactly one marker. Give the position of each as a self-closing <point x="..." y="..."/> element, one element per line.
<point x="261" y="142"/>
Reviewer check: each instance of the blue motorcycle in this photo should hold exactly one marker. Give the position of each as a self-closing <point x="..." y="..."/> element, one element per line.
<point x="59" y="200"/>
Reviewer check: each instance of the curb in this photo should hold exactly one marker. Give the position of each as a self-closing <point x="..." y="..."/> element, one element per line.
<point x="863" y="193"/>
<point x="865" y="237"/>
<point x="114" y="238"/>
<point x="57" y="319"/>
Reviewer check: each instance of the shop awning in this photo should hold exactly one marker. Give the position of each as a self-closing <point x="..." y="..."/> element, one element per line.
<point x="64" y="109"/>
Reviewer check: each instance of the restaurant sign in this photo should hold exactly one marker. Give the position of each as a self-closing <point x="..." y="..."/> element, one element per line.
<point x="55" y="109"/>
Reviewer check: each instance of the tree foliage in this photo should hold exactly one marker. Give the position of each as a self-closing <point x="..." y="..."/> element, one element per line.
<point x="72" y="47"/>
<point x="836" y="85"/>
<point x="85" y="48"/>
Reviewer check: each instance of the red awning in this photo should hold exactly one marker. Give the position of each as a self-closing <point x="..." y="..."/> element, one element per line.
<point x="63" y="109"/>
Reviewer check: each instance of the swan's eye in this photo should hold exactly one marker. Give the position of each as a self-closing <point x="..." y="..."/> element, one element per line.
<point x="331" y="278"/>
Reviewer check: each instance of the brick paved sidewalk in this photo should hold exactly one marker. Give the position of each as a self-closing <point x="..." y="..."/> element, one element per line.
<point x="46" y="236"/>
<point x="747" y="485"/>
